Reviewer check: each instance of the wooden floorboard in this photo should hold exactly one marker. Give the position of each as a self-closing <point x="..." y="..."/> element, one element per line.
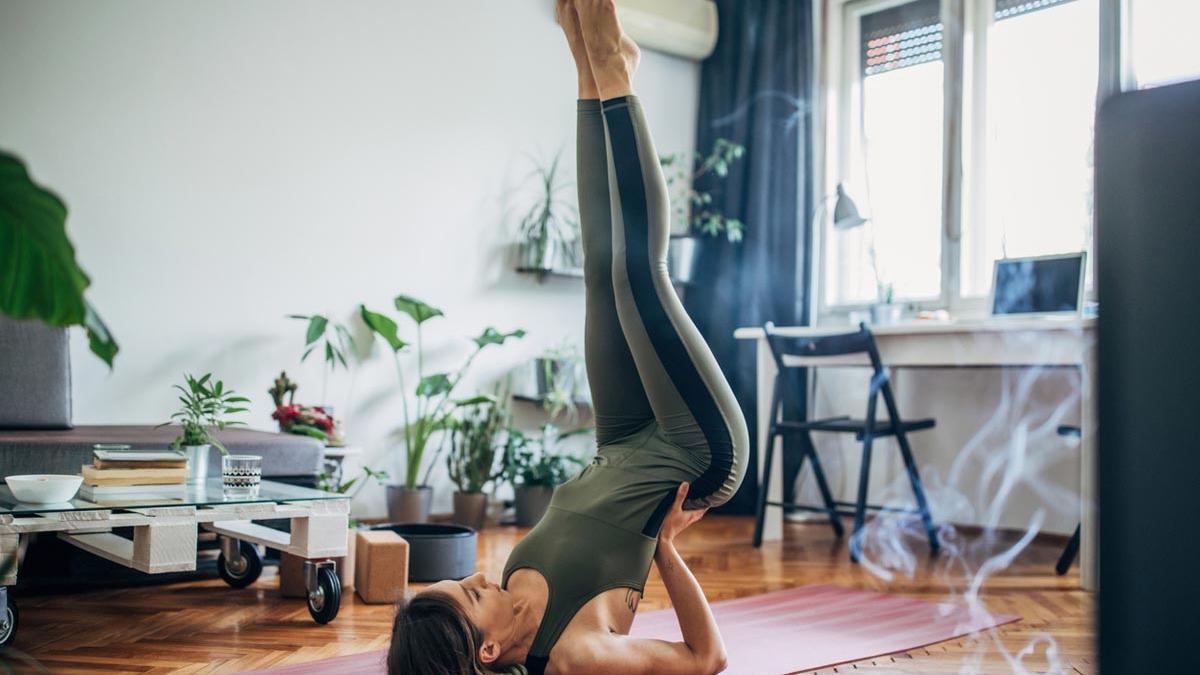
<point x="206" y="627"/>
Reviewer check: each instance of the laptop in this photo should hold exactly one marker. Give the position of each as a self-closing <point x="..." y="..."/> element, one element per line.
<point x="1049" y="285"/>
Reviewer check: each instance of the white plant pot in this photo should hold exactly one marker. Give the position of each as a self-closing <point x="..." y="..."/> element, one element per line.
<point x="197" y="462"/>
<point x="534" y="257"/>
<point x="682" y="252"/>
<point x="886" y="315"/>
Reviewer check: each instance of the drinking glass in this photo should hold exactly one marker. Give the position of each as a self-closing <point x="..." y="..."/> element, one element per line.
<point x="241" y="475"/>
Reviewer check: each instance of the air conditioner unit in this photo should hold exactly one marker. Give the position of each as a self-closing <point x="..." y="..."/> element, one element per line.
<point x="686" y="28"/>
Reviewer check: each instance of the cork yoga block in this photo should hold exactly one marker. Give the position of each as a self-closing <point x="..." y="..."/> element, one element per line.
<point x="381" y="566"/>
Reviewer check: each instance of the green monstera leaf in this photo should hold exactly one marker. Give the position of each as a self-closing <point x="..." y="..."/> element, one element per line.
<point x="419" y="311"/>
<point x="39" y="277"/>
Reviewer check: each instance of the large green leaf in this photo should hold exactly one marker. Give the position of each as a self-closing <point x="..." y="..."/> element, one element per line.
<point x="491" y="336"/>
<point x="433" y="385"/>
<point x="39" y="277"/>
<point x="419" y="311"/>
<point x="382" y="326"/>
<point x="476" y="400"/>
<point x="100" y="340"/>
<point x="316" y="328"/>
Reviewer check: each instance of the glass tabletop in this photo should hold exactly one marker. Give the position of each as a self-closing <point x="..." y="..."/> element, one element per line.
<point x="209" y="493"/>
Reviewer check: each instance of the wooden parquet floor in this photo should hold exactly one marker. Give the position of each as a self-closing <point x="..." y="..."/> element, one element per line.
<point x="206" y="627"/>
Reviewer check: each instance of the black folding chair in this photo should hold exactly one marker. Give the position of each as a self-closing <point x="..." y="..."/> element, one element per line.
<point x="865" y="430"/>
<point x="1072" y="548"/>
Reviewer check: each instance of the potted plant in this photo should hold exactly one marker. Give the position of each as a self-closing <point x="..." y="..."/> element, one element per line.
<point x="431" y="409"/>
<point x="558" y="377"/>
<point x="886" y="311"/>
<point x="549" y="230"/>
<point x="471" y="461"/>
<point x="204" y="403"/>
<point x="693" y="207"/>
<point x="535" y="469"/>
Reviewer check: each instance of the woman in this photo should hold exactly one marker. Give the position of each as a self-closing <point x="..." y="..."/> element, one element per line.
<point x="671" y="439"/>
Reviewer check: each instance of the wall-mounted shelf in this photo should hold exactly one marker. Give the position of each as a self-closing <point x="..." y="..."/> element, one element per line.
<point x="570" y="272"/>
<point x="541" y="400"/>
<point x="577" y="273"/>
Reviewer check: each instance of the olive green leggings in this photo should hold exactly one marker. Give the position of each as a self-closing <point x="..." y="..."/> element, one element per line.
<point x="646" y="361"/>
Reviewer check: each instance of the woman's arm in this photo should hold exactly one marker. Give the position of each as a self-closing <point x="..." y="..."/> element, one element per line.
<point x="702" y="650"/>
<point x="696" y="621"/>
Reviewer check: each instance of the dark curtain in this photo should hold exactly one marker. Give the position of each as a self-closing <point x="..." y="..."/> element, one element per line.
<point x="755" y="90"/>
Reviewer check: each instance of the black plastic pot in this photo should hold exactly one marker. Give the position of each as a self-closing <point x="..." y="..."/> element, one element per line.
<point x="436" y="551"/>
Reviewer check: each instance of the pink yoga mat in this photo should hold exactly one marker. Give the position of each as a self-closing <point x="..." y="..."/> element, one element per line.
<point x="783" y="632"/>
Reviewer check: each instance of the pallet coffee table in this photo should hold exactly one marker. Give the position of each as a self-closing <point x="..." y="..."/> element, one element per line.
<point x="165" y="534"/>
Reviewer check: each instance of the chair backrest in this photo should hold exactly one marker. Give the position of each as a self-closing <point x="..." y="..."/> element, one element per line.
<point x="841" y="344"/>
<point x="35" y="376"/>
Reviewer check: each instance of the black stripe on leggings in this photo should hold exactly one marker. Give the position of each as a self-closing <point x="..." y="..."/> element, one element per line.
<point x="663" y="336"/>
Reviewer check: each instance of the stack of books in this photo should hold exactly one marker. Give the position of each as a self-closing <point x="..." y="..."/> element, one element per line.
<point x="126" y="475"/>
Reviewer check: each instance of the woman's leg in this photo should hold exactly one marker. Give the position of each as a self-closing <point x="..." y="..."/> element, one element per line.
<point x="688" y="394"/>
<point x="618" y="400"/>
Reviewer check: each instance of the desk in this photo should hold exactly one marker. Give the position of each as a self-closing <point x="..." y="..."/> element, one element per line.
<point x="989" y="343"/>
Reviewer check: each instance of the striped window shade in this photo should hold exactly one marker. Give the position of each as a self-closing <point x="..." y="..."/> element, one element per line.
<point x="901" y="36"/>
<point x="1008" y="9"/>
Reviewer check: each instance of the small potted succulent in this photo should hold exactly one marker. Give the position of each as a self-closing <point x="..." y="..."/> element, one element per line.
<point x="535" y="469"/>
<point x="204" y="403"/>
<point x="472" y="459"/>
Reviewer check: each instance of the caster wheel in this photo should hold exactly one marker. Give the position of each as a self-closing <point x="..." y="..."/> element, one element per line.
<point x="324" y="602"/>
<point x="8" y="624"/>
<point x="243" y="574"/>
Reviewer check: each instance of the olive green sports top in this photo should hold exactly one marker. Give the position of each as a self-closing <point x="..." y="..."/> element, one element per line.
<point x="602" y="528"/>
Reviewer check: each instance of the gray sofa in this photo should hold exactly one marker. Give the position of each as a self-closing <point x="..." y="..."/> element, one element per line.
<point x="37" y="436"/>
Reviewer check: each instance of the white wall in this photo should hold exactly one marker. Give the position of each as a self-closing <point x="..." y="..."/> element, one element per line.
<point x="227" y="163"/>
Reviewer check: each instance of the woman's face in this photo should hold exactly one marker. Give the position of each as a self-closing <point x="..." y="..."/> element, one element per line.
<point x="487" y="605"/>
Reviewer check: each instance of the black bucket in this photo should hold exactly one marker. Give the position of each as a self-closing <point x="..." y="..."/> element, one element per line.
<point x="436" y="551"/>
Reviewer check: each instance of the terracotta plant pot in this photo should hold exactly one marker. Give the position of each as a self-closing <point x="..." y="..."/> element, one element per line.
<point x="470" y="509"/>
<point x="531" y="503"/>
<point x="409" y="506"/>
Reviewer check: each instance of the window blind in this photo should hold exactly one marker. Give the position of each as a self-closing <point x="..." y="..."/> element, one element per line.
<point x="1008" y="9"/>
<point x="902" y="36"/>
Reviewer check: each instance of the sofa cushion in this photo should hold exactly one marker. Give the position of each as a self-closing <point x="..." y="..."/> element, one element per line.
<point x="35" y="376"/>
<point x="25" y="451"/>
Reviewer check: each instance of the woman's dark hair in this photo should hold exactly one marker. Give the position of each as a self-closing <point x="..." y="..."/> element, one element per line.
<point x="433" y="636"/>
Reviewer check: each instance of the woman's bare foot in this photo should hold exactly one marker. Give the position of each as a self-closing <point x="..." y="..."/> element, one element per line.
<point x="568" y="18"/>
<point x="613" y="54"/>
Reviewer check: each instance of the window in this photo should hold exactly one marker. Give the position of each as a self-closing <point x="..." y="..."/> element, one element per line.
<point x="1163" y="41"/>
<point x="1034" y="194"/>
<point x="899" y="148"/>
<point x="1004" y="89"/>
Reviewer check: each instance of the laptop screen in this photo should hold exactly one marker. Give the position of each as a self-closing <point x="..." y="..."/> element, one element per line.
<point x="1037" y="285"/>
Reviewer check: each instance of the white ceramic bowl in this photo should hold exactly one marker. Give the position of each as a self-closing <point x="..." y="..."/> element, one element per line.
<point x="44" y="488"/>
